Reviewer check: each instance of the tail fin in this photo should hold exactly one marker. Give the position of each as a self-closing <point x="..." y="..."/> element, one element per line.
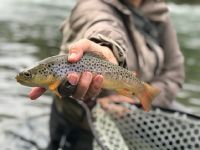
<point x="148" y="95"/>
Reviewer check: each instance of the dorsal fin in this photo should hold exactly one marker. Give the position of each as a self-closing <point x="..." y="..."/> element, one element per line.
<point x="96" y="54"/>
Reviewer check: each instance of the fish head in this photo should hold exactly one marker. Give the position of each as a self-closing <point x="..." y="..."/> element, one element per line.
<point x="25" y="78"/>
<point x="38" y="75"/>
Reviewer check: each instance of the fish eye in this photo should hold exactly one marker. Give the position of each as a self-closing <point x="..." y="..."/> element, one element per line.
<point x="27" y="74"/>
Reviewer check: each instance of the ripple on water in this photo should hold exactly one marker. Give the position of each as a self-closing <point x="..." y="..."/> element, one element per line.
<point x="187" y="26"/>
<point x="192" y="87"/>
<point x="190" y="96"/>
<point x="195" y="101"/>
<point x="16" y="55"/>
<point x="26" y="27"/>
<point x="8" y="48"/>
<point x="27" y="60"/>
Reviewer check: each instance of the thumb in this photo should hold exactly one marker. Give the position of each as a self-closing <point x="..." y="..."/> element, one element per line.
<point x="77" y="49"/>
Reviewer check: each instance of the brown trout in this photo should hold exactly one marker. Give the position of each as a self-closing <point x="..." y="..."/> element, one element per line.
<point x="50" y="72"/>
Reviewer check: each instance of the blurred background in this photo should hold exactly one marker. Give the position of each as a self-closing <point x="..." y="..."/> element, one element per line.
<point x="29" y="32"/>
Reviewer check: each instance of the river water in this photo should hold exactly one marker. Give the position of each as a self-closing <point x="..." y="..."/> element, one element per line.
<point x="29" y="32"/>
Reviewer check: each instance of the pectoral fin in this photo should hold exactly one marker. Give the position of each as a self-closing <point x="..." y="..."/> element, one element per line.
<point x="54" y="88"/>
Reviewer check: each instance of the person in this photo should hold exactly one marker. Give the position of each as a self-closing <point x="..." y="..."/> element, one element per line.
<point x="135" y="34"/>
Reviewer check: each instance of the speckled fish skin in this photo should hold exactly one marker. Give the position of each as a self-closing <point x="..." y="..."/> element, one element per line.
<point x="50" y="72"/>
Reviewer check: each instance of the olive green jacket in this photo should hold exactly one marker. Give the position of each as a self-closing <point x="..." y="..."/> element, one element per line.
<point x="110" y="23"/>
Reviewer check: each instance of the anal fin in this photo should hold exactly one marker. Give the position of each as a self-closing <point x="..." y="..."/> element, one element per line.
<point x="125" y="92"/>
<point x="147" y="96"/>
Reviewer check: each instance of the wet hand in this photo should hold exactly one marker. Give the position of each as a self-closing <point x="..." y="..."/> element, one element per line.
<point x="87" y="85"/>
<point x="112" y="105"/>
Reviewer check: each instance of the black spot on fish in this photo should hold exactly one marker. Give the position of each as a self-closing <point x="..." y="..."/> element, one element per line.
<point x="197" y="145"/>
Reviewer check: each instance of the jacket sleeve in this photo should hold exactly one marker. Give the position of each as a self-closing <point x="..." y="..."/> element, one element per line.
<point x="172" y="76"/>
<point x="97" y="21"/>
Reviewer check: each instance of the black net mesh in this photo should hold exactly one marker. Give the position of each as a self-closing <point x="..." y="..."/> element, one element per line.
<point x="139" y="130"/>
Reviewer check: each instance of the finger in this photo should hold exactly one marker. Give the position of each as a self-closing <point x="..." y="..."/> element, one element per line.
<point x="115" y="99"/>
<point x="83" y="85"/>
<point x="36" y="92"/>
<point x="101" y="50"/>
<point x="104" y="101"/>
<point x="95" y="87"/>
<point x="114" y="108"/>
<point x="136" y="74"/>
<point x="107" y="105"/>
<point x="121" y="99"/>
<point x="84" y="45"/>
<point x="73" y="78"/>
<point x="77" y="49"/>
<point x="118" y="110"/>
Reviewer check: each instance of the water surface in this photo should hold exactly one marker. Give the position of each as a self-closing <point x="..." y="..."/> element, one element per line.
<point x="186" y="20"/>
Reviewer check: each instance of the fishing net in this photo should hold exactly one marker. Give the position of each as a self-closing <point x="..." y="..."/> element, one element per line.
<point x="139" y="130"/>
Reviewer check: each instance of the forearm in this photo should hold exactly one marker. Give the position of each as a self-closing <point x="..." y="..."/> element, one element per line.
<point x="171" y="79"/>
<point x="98" y="25"/>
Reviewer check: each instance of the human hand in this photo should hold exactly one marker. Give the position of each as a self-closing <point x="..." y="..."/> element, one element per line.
<point x="87" y="85"/>
<point x="112" y="105"/>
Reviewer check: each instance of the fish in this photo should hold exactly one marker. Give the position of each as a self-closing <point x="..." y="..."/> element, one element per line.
<point x="50" y="72"/>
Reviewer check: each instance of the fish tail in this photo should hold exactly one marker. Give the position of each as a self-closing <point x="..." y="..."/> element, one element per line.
<point x="147" y="96"/>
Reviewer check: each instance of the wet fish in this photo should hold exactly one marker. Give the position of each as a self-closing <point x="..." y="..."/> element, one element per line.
<point x="50" y="72"/>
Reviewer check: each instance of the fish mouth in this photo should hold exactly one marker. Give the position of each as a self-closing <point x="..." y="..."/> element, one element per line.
<point x="24" y="82"/>
<point x="17" y="78"/>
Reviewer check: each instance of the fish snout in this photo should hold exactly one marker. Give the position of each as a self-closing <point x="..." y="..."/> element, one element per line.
<point x="17" y="77"/>
<point x="25" y="75"/>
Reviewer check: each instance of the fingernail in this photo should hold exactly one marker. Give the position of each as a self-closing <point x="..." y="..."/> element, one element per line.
<point x="72" y="79"/>
<point x="88" y="75"/>
<point x="72" y="55"/>
<point x="100" y="79"/>
<point x="98" y="82"/>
